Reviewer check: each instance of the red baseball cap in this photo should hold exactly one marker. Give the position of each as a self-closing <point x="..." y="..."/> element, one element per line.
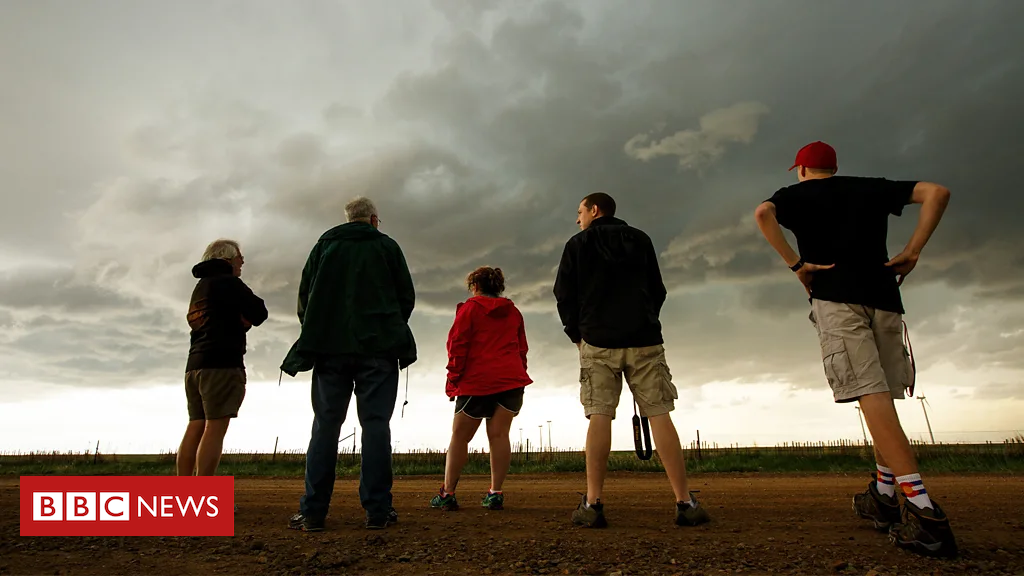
<point x="816" y="155"/>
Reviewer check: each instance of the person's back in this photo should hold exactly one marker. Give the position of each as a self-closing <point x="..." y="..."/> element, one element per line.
<point x="841" y="225"/>
<point x="355" y="299"/>
<point x="488" y="347"/>
<point x="486" y="381"/>
<point x="843" y="220"/>
<point x="609" y="293"/>
<point x="219" y="300"/>
<point x="220" y="311"/>
<point x="619" y="286"/>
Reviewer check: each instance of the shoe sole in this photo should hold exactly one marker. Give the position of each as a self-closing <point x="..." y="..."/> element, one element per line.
<point x="446" y="507"/>
<point x="931" y="550"/>
<point x="378" y="527"/>
<point x="687" y="523"/>
<point x="304" y="528"/>
<point x="880" y="526"/>
<point x="599" y="523"/>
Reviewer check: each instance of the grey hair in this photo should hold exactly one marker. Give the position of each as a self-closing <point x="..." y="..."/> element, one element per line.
<point x="360" y="209"/>
<point x="223" y="248"/>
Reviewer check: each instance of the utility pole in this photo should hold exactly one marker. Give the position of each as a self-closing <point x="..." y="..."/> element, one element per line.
<point x="520" y="439"/>
<point x="861" y="417"/>
<point x="549" y="435"/>
<point x="928" y="422"/>
<point x="540" y="430"/>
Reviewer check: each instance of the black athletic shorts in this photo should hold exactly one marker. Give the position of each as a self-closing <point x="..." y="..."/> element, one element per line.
<point x="484" y="406"/>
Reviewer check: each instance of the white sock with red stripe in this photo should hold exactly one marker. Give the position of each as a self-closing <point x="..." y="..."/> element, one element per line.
<point x="913" y="489"/>
<point x="885" y="482"/>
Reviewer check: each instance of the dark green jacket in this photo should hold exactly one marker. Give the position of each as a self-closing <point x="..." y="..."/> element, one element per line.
<point x="355" y="299"/>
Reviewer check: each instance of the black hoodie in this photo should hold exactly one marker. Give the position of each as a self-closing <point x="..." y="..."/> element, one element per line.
<point x="609" y="287"/>
<point x="219" y="302"/>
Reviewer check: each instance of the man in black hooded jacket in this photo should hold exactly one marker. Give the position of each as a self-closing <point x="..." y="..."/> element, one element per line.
<point x="220" y="312"/>
<point x="610" y="293"/>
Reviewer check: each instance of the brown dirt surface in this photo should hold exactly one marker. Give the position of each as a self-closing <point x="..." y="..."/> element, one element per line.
<point x="761" y="524"/>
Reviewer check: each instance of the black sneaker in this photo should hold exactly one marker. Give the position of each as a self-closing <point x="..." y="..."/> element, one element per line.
<point x="306" y="524"/>
<point x="925" y="531"/>
<point x="882" y="510"/>
<point x="378" y="523"/>
<point x="591" y="516"/>
<point x="695" y="515"/>
<point x="392" y="516"/>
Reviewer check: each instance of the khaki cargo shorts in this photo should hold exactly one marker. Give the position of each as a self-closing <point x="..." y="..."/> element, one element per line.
<point x="213" y="393"/>
<point x="862" y="350"/>
<point x="646" y="372"/>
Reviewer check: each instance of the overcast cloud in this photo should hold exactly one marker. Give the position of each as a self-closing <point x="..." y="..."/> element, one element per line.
<point x="137" y="133"/>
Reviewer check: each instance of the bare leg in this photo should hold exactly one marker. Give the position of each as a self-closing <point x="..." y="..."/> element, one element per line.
<point x="666" y="439"/>
<point x="211" y="446"/>
<point x="186" y="460"/>
<point x="878" y="457"/>
<point x="463" y="430"/>
<point x="892" y="449"/>
<point x="501" y="450"/>
<point x="599" y="444"/>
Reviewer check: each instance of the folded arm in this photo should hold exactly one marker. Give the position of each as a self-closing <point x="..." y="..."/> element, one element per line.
<point x="254" y="310"/>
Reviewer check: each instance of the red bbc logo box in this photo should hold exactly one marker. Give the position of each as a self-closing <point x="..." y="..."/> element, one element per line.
<point x="127" y="505"/>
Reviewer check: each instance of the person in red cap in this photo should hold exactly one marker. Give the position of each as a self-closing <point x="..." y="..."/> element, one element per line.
<point x="841" y="225"/>
<point x="486" y="380"/>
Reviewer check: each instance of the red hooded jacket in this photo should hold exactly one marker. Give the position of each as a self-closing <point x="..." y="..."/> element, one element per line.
<point x="486" y="348"/>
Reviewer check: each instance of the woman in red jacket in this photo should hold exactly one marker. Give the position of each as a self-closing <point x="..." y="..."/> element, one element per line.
<point x="486" y="380"/>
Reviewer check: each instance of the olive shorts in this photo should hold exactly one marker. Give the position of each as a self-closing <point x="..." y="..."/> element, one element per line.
<point x="862" y="350"/>
<point x="213" y="393"/>
<point x="646" y="372"/>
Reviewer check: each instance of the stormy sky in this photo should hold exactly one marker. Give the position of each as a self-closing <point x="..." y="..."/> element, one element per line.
<point x="136" y="133"/>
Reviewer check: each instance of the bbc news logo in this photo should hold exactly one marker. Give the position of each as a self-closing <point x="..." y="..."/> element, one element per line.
<point x="127" y="505"/>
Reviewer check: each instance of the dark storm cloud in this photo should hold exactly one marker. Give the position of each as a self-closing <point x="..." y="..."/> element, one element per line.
<point x="57" y="289"/>
<point x="686" y="112"/>
<point x="108" y="350"/>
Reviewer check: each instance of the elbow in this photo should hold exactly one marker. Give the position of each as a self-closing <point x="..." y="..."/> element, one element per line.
<point x="764" y="212"/>
<point x="942" y="195"/>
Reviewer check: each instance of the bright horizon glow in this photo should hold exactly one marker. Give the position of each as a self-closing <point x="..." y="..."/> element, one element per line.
<point x="151" y="420"/>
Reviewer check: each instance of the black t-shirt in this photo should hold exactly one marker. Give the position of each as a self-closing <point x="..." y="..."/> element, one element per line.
<point x="844" y="220"/>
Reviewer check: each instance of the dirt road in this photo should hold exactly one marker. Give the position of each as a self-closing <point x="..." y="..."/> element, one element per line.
<point x="761" y="524"/>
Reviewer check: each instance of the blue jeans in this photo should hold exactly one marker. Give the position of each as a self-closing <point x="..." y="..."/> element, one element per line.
<point x="375" y="382"/>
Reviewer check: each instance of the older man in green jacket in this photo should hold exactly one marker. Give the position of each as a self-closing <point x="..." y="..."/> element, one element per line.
<point x="355" y="299"/>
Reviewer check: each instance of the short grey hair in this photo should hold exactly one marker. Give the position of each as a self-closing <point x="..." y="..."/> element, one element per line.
<point x="223" y="249"/>
<point x="360" y="209"/>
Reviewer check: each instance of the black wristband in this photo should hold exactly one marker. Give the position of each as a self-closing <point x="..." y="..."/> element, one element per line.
<point x="799" y="264"/>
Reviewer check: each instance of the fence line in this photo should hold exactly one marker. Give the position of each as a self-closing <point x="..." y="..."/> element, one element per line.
<point x="523" y="454"/>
